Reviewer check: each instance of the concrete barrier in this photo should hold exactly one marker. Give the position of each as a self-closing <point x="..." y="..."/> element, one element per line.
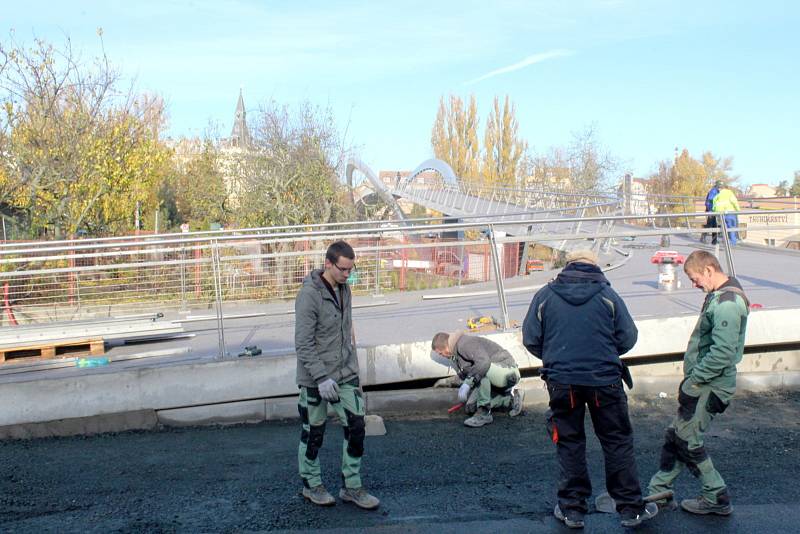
<point x="255" y="389"/>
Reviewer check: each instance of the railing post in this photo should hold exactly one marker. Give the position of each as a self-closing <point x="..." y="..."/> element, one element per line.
<point x="498" y="275"/>
<point x="728" y="252"/>
<point x="183" y="278"/>
<point x="378" y="269"/>
<point x="216" y="266"/>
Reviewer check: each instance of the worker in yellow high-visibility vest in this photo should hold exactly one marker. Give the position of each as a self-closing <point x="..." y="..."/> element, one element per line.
<point x="725" y="202"/>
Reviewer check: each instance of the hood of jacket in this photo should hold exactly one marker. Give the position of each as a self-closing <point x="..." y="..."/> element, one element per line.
<point x="579" y="282"/>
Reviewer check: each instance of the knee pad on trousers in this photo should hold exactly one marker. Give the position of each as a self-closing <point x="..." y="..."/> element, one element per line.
<point x="681" y="450"/>
<point x="354" y="434"/>
<point x="303" y="413"/>
<point x="313" y="396"/>
<point x="315" y="436"/>
<point x="512" y="380"/>
<point x="669" y="453"/>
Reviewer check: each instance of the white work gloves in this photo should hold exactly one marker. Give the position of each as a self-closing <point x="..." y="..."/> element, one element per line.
<point x="463" y="392"/>
<point x="329" y="390"/>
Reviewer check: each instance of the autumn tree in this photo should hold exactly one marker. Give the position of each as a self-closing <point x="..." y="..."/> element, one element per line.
<point x="454" y="137"/>
<point x="292" y="174"/>
<point x="78" y="153"/>
<point x="583" y="165"/>
<point x="504" y="161"/>
<point x="198" y="188"/>
<point x="686" y="178"/>
<point x="794" y="190"/>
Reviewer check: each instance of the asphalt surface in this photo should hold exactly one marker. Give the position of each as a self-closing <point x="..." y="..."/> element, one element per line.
<point x="432" y="474"/>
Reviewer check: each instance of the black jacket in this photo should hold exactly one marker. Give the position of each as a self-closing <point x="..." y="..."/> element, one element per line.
<point x="578" y="326"/>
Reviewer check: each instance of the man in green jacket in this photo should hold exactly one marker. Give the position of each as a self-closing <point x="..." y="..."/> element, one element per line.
<point x="709" y="367"/>
<point x="327" y="373"/>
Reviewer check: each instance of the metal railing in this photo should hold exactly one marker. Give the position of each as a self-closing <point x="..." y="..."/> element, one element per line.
<point x="84" y="279"/>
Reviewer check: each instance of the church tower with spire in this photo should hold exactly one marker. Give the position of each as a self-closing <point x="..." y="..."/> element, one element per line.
<point x="240" y="135"/>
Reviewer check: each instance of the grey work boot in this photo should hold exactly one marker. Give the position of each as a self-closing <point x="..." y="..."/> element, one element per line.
<point x="359" y="497"/>
<point x="701" y="506"/>
<point x="483" y="417"/>
<point x="517" y="396"/>
<point x="632" y="519"/>
<point x="319" y="496"/>
<point x="573" y="518"/>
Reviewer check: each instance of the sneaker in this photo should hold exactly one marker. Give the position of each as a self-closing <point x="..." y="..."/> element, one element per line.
<point x="573" y="518"/>
<point x="701" y="506"/>
<point x="517" y="396"/>
<point x="359" y="497"/>
<point x="483" y="417"/>
<point x="633" y="519"/>
<point x="319" y="496"/>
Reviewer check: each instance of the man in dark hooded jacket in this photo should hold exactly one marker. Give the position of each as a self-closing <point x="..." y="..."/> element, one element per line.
<point x="579" y="327"/>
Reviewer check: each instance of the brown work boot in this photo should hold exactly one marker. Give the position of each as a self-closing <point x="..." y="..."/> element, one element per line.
<point x="359" y="497"/>
<point x="319" y="496"/>
<point x="702" y="506"/>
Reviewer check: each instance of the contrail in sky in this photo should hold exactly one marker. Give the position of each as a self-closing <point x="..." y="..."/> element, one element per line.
<point x="530" y="60"/>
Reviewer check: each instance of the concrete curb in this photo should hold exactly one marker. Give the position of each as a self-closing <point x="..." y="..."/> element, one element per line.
<point x="429" y="401"/>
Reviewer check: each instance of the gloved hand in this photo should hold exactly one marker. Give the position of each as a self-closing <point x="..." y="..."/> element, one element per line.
<point x="463" y="392"/>
<point x="329" y="390"/>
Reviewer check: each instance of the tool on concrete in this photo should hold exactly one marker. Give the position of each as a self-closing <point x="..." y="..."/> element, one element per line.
<point x="252" y="350"/>
<point x="455" y="407"/>
<point x="605" y="504"/>
<point x="480" y="323"/>
<point x="91" y="362"/>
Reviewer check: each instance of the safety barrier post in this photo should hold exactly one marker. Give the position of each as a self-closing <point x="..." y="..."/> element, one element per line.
<point x="498" y="276"/>
<point x="728" y="252"/>
<point x="216" y="266"/>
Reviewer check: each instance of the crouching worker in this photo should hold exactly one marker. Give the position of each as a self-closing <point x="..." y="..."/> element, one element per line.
<point x="486" y="369"/>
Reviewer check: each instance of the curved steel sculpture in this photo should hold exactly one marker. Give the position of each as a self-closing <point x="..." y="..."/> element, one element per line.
<point x="443" y="169"/>
<point x="382" y="191"/>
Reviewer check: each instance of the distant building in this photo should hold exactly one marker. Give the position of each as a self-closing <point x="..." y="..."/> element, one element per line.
<point x="240" y="133"/>
<point x="761" y="191"/>
<point x="638" y="201"/>
<point x="233" y="149"/>
<point x="424" y="180"/>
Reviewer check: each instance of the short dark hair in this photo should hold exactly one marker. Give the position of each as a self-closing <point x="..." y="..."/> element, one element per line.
<point x="440" y="341"/>
<point x="699" y="260"/>
<point x="338" y="249"/>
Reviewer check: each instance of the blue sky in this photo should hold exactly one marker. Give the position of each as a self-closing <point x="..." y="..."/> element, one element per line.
<point x="649" y="75"/>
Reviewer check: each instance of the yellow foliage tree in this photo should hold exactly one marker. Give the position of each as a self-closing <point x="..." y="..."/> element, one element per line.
<point x="454" y="137"/>
<point x="504" y="152"/>
<point x="80" y="156"/>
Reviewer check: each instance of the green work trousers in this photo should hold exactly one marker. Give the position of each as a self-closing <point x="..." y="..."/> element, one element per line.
<point x="698" y="404"/>
<point x="502" y="379"/>
<point x="313" y="414"/>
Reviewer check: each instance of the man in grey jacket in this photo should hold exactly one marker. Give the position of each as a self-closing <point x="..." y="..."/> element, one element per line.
<point x="485" y="367"/>
<point x="327" y="373"/>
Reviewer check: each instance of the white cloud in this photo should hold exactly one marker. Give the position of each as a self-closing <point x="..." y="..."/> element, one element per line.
<point x="528" y="61"/>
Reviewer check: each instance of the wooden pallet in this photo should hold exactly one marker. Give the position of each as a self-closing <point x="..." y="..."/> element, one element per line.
<point x="94" y="346"/>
